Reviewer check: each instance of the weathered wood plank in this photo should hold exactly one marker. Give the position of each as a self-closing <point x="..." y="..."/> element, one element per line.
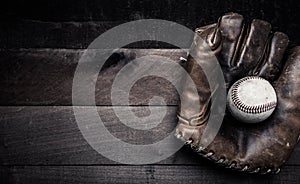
<point x="140" y="174"/>
<point x="282" y="14"/>
<point x="45" y="77"/>
<point x="92" y="10"/>
<point x="110" y="10"/>
<point x="71" y="35"/>
<point x="50" y="135"/>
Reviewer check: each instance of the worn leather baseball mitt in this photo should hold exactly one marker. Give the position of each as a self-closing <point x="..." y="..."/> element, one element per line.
<point x="245" y="50"/>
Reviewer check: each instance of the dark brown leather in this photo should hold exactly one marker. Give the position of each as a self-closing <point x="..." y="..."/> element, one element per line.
<point x="241" y="51"/>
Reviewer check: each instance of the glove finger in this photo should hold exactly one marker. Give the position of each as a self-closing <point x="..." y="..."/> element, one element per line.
<point x="210" y="35"/>
<point x="253" y="47"/>
<point x="287" y="87"/>
<point x="230" y="27"/>
<point x="284" y="123"/>
<point x="272" y="62"/>
<point x="195" y="103"/>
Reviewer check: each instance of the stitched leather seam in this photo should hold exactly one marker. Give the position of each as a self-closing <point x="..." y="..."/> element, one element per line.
<point x="233" y="165"/>
<point x="210" y="155"/>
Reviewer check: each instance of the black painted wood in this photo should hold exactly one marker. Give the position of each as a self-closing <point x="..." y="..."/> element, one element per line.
<point x="49" y="135"/>
<point x="140" y="174"/>
<point x="45" y="77"/>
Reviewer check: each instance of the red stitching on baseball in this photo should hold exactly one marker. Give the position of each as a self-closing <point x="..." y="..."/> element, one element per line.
<point x="247" y="108"/>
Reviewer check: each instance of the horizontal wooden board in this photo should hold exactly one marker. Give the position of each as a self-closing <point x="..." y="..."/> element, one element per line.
<point x="45" y="77"/>
<point x="140" y="174"/>
<point x="194" y="13"/>
<point x="67" y="10"/>
<point x="79" y="35"/>
<point x="50" y="136"/>
<point x="71" y="35"/>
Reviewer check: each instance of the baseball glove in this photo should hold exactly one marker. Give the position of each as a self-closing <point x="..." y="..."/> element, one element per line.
<point x="244" y="50"/>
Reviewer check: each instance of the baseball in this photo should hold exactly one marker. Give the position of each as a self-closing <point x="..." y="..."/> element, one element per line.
<point x="251" y="99"/>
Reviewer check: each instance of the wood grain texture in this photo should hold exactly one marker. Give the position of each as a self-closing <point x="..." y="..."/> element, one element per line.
<point x="108" y="10"/>
<point x="81" y="18"/>
<point x="45" y="77"/>
<point x="42" y="144"/>
<point x="140" y="174"/>
<point x="50" y="136"/>
<point x="71" y="35"/>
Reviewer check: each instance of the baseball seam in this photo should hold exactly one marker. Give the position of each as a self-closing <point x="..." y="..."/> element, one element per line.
<point x="255" y="109"/>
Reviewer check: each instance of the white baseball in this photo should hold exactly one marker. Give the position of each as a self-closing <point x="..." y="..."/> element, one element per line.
<point x="251" y="99"/>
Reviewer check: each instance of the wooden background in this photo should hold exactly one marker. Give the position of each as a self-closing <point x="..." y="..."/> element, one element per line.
<point x="40" y="44"/>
